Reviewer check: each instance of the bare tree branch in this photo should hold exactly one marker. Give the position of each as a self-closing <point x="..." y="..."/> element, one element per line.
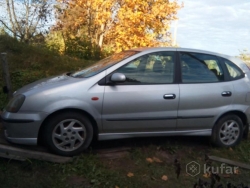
<point x="27" y="17"/>
<point x="6" y="26"/>
<point x="11" y="20"/>
<point x="25" y="22"/>
<point x="14" y="15"/>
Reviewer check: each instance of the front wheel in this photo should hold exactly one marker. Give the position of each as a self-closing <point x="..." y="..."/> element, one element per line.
<point x="228" y="131"/>
<point x="68" y="134"/>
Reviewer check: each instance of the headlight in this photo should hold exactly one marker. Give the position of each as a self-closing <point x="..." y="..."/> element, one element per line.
<point x="15" y="103"/>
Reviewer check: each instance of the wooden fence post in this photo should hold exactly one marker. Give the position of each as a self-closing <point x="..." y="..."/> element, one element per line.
<point x="6" y="74"/>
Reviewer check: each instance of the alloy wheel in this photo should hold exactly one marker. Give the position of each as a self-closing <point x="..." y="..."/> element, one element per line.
<point x="69" y="135"/>
<point x="229" y="132"/>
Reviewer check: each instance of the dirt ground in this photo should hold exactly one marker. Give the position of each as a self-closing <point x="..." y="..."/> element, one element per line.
<point x="138" y="162"/>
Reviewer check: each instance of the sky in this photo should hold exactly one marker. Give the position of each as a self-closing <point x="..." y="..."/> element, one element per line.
<point x="221" y="26"/>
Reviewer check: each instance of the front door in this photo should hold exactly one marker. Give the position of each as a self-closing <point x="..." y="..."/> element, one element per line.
<point x="148" y="99"/>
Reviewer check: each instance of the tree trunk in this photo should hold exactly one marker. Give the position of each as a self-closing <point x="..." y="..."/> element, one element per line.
<point x="6" y="74"/>
<point x="101" y="36"/>
<point x="11" y="20"/>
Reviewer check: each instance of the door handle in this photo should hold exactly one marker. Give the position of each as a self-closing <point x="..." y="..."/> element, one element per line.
<point x="226" y="93"/>
<point x="169" y="96"/>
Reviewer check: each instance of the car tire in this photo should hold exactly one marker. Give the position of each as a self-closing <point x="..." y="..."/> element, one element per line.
<point x="228" y="131"/>
<point x="68" y="133"/>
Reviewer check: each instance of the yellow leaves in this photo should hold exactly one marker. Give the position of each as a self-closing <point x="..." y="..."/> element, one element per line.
<point x="164" y="178"/>
<point x="149" y="160"/>
<point x="130" y="24"/>
<point x="207" y="175"/>
<point x="139" y="23"/>
<point x="157" y="160"/>
<point x="154" y="159"/>
<point x="130" y="174"/>
<point x="236" y="171"/>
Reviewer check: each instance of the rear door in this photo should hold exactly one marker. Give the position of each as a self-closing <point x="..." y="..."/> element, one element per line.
<point x="204" y="93"/>
<point x="148" y="99"/>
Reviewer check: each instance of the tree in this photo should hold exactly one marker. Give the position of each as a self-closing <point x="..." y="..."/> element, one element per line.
<point x="91" y="18"/>
<point x="143" y="23"/>
<point x="55" y="42"/>
<point x="26" y="18"/>
<point x="118" y="24"/>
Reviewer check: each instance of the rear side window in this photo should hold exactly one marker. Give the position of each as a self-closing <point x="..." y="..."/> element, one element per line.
<point x="200" y="68"/>
<point x="234" y="71"/>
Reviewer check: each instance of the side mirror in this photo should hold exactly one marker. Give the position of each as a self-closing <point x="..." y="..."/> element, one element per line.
<point x="118" y="77"/>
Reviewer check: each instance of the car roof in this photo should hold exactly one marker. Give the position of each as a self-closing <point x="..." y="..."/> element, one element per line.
<point x="179" y="49"/>
<point x="235" y="60"/>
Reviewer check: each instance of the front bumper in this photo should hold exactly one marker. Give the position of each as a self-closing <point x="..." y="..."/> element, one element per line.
<point x="22" y="128"/>
<point x="25" y="141"/>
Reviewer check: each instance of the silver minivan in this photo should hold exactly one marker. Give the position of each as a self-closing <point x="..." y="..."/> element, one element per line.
<point x="135" y="93"/>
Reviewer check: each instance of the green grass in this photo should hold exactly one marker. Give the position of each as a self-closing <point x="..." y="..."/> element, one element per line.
<point x="92" y="170"/>
<point x="30" y="63"/>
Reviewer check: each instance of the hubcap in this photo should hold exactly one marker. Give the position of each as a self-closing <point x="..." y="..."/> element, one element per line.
<point x="229" y="132"/>
<point x="69" y="135"/>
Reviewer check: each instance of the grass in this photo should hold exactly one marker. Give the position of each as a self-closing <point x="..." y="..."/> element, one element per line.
<point x="93" y="170"/>
<point x="30" y="63"/>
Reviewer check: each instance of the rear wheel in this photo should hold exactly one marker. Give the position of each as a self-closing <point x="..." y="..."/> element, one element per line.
<point x="68" y="134"/>
<point x="228" y="131"/>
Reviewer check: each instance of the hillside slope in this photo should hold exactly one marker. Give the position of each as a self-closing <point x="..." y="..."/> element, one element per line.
<point x="29" y="63"/>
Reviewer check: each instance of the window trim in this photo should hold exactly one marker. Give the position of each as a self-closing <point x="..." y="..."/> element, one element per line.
<point x="227" y="71"/>
<point x="107" y="78"/>
<point x="219" y="62"/>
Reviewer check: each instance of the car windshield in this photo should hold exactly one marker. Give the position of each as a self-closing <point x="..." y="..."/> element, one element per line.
<point x="103" y="64"/>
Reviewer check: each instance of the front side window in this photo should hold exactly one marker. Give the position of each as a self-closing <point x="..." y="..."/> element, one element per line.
<point x="200" y="68"/>
<point x="154" y="68"/>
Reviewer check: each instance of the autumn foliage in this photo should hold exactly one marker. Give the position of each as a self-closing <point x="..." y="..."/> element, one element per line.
<point x="115" y="25"/>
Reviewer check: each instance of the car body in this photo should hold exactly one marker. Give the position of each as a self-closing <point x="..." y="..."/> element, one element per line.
<point x="135" y="93"/>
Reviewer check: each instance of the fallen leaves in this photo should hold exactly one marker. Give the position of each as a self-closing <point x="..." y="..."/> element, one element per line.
<point x="150" y="160"/>
<point x="207" y="175"/>
<point x="130" y="174"/>
<point x="164" y="178"/>
<point x="236" y="171"/>
<point x="157" y="160"/>
<point x="154" y="159"/>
